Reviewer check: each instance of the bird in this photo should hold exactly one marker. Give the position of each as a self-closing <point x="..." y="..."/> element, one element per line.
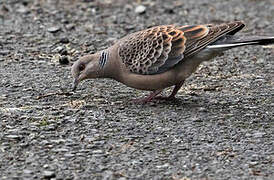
<point x="162" y="56"/>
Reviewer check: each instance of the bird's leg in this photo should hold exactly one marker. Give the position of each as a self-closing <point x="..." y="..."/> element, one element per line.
<point x="174" y="92"/>
<point x="149" y="97"/>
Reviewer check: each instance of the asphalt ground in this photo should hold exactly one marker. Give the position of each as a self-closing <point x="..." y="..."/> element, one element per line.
<point x="220" y="126"/>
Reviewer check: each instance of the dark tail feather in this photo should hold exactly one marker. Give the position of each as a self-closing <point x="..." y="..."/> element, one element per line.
<point x="229" y="41"/>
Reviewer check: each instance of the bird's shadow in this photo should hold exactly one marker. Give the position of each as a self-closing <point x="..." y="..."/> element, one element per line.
<point x="188" y="101"/>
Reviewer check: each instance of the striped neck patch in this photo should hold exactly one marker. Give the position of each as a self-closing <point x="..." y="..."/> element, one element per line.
<point x="103" y="58"/>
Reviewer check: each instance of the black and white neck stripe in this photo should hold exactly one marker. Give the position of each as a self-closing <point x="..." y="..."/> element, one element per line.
<point x="103" y="58"/>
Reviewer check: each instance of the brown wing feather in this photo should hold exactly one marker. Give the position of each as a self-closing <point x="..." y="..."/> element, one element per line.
<point x="160" y="48"/>
<point x="198" y="37"/>
<point x="148" y="51"/>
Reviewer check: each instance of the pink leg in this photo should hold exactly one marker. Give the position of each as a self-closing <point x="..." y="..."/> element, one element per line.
<point x="149" y="97"/>
<point x="174" y="92"/>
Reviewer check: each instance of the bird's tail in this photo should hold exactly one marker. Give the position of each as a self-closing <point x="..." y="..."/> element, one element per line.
<point x="231" y="41"/>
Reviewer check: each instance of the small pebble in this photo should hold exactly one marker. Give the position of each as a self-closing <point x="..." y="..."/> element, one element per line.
<point x="49" y="174"/>
<point x="63" y="52"/>
<point x="64" y="40"/>
<point x="64" y="60"/>
<point x="70" y="26"/>
<point x="169" y="9"/>
<point x="259" y="135"/>
<point x="4" y="52"/>
<point x="140" y="9"/>
<point x="13" y="137"/>
<point x="26" y="171"/>
<point x="129" y="27"/>
<point x="68" y="155"/>
<point x="54" y="29"/>
<point x="166" y="165"/>
<point x="58" y="49"/>
<point x="97" y="151"/>
<point x="23" y="10"/>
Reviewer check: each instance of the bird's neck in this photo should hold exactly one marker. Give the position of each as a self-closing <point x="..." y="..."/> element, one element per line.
<point x="108" y="63"/>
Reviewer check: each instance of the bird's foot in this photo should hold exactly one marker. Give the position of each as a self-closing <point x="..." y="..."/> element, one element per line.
<point x="147" y="99"/>
<point x="166" y="98"/>
<point x="141" y="101"/>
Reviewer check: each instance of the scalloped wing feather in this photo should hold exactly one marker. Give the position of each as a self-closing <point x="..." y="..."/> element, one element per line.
<point x="157" y="49"/>
<point x="153" y="50"/>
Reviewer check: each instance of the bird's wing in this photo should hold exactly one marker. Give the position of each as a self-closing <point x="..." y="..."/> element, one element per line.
<point x="160" y="48"/>
<point x="196" y="42"/>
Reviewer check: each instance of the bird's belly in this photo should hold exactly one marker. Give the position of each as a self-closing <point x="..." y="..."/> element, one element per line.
<point x="150" y="82"/>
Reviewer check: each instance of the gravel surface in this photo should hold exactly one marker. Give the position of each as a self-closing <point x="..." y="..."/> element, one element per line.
<point x="221" y="126"/>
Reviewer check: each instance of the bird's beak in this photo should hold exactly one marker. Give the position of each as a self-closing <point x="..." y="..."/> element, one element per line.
<point x="75" y="84"/>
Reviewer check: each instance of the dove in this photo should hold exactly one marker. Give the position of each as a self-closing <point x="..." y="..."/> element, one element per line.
<point x="162" y="56"/>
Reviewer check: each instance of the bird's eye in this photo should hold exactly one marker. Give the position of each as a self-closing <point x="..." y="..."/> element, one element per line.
<point x="81" y="67"/>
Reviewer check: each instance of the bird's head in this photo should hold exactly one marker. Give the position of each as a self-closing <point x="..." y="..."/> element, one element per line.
<point x="87" y="67"/>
